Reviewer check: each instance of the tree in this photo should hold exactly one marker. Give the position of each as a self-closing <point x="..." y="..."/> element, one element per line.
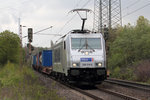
<point x="9" y="47"/>
<point x="131" y="45"/>
<point x="142" y="23"/>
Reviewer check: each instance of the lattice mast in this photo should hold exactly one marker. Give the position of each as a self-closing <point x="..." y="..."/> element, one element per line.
<point x="100" y="15"/>
<point x="106" y="12"/>
<point x="115" y="17"/>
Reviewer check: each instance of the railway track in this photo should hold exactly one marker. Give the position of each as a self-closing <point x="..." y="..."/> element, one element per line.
<point x="103" y="94"/>
<point x="118" y="95"/>
<point x="91" y="95"/>
<point x="97" y="93"/>
<point x="83" y="92"/>
<point x="143" y="87"/>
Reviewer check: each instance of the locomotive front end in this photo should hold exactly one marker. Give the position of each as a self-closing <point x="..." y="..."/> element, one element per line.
<point x="88" y="59"/>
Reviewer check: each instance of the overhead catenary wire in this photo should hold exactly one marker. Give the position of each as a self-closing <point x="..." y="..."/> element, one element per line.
<point x="136" y="10"/>
<point x="86" y="3"/>
<point x="78" y="3"/>
<point x="72" y="17"/>
<point x="71" y="20"/>
<point x="40" y="31"/>
<point x="131" y="5"/>
<point x="43" y="30"/>
<point x="62" y="27"/>
<point x="49" y="34"/>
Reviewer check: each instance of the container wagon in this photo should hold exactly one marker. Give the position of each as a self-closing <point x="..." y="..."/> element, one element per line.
<point x="43" y="61"/>
<point x="34" y="61"/>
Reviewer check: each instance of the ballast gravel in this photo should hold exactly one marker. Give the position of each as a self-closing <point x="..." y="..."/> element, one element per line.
<point x="62" y="91"/>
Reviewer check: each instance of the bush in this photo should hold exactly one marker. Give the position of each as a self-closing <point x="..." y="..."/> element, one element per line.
<point x="116" y="73"/>
<point x="143" y="71"/>
<point x="123" y="73"/>
<point x="9" y="76"/>
<point x="22" y="84"/>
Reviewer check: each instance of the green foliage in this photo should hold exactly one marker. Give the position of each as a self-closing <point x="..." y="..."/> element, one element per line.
<point x="142" y="25"/>
<point x="9" y="75"/>
<point x="125" y="73"/>
<point x="148" y="81"/>
<point x="116" y="72"/>
<point x="9" y="47"/>
<point x="22" y="84"/>
<point x="130" y="45"/>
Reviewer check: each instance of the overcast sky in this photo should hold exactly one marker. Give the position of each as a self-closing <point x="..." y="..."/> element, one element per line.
<point x="40" y="14"/>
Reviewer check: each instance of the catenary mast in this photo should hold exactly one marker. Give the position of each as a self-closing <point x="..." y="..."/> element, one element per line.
<point x="106" y="12"/>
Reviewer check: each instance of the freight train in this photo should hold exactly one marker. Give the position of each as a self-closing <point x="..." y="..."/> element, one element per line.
<point x="78" y="57"/>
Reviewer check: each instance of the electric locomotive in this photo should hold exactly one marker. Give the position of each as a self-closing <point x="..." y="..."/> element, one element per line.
<point x="80" y="57"/>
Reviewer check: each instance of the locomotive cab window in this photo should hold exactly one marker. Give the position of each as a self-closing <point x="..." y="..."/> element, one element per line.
<point x="86" y="43"/>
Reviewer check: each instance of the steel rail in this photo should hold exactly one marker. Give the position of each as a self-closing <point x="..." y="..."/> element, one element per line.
<point x="77" y="89"/>
<point x="126" y="97"/>
<point x="123" y="96"/>
<point x="89" y="94"/>
<point x="74" y="88"/>
<point x="143" y="87"/>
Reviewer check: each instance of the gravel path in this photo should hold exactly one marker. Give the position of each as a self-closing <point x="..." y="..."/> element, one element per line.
<point x="62" y="90"/>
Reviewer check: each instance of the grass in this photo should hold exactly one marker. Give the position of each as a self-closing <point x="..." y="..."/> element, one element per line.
<point x="22" y="84"/>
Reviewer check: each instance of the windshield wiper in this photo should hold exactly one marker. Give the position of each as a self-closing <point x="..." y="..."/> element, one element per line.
<point x="81" y="47"/>
<point x="90" y="48"/>
<point x="86" y="45"/>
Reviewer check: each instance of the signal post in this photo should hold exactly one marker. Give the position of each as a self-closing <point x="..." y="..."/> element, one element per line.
<point x="30" y="37"/>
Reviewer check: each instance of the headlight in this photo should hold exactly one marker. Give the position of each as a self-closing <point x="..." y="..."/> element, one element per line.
<point x="99" y="64"/>
<point x="86" y="53"/>
<point x="74" y="65"/>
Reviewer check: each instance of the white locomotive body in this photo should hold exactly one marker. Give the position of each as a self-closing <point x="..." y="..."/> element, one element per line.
<point x="80" y="57"/>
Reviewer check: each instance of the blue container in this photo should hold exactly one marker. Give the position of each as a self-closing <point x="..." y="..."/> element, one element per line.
<point x="47" y="58"/>
<point x="37" y="59"/>
<point x="34" y="60"/>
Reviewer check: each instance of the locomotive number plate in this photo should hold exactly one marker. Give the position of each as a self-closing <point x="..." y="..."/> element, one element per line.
<point x="87" y="64"/>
